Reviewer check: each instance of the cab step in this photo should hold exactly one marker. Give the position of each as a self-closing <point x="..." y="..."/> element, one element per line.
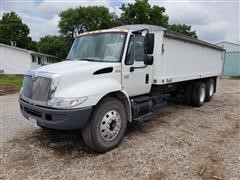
<point x="143" y="107"/>
<point x="151" y="114"/>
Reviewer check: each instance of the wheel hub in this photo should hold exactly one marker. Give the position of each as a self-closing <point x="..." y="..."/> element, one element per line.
<point x="110" y="125"/>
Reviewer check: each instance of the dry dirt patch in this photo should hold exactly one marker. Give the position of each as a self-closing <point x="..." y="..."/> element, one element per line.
<point x="177" y="144"/>
<point x="7" y="89"/>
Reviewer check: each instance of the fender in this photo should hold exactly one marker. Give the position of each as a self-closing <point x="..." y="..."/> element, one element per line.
<point x="129" y="105"/>
<point x="94" y="90"/>
<point x="123" y="97"/>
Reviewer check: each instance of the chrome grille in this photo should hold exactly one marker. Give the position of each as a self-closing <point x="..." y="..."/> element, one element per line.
<point x="37" y="89"/>
<point x="27" y="86"/>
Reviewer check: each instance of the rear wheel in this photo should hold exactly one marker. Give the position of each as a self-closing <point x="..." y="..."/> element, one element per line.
<point x="198" y="94"/>
<point x="107" y="126"/>
<point x="210" y="87"/>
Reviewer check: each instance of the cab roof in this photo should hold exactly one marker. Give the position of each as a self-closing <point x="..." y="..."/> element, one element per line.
<point x="127" y="28"/>
<point x="136" y="27"/>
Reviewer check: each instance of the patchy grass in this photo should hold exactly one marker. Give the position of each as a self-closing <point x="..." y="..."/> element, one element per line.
<point x="10" y="84"/>
<point x="235" y="77"/>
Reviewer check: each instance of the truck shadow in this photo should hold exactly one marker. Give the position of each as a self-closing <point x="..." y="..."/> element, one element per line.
<point x="68" y="143"/>
<point x="63" y="142"/>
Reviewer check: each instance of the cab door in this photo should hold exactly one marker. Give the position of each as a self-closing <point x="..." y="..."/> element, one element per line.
<point x="136" y="77"/>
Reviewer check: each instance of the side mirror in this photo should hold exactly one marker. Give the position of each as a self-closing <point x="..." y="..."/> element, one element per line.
<point x="149" y="43"/>
<point x="148" y="60"/>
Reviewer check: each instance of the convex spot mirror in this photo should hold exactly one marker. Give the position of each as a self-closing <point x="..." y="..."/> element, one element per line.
<point x="149" y="43"/>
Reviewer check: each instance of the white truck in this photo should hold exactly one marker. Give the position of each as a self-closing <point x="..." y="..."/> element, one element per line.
<point x="120" y="75"/>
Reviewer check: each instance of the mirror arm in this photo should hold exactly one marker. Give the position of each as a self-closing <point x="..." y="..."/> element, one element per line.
<point x="133" y="68"/>
<point x="140" y="30"/>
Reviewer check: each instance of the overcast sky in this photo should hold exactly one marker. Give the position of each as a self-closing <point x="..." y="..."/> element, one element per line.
<point x="214" y="20"/>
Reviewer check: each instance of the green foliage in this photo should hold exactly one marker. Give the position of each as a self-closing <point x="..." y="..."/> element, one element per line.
<point x="32" y="46"/>
<point x="235" y="77"/>
<point x="81" y="19"/>
<point x="141" y="12"/>
<point x="54" y="45"/>
<point x="184" y="29"/>
<point x="11" y="80"/>
<point x="13" y="29"/>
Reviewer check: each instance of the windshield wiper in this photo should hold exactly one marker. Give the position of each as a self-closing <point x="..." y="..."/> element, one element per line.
<point x="87" y="59"/>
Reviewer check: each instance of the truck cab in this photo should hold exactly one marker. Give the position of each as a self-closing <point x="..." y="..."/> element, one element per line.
<point x="106" y="81"/>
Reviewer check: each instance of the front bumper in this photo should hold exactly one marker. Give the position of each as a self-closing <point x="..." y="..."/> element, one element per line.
<point x="62" y="119"/>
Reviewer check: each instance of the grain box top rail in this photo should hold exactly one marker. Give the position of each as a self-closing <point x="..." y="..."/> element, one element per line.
<point x="169" y="34"/>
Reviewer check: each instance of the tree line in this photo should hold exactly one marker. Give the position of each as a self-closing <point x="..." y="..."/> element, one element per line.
<point x="74" y="21"/>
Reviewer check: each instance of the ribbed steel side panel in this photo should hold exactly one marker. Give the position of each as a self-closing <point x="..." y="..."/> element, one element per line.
<point x="180" y="60"/>
<point x="179" y="36"/>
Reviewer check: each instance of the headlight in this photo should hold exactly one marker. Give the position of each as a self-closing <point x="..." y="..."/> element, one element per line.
<point x="66" y="102"/>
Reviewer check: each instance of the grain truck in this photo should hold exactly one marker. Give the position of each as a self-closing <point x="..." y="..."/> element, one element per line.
<point x="118" y="76"/>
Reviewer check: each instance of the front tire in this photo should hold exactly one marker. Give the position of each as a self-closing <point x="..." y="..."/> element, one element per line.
<point x="107" y="126"/>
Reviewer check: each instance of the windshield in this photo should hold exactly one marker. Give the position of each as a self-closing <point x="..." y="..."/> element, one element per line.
<point x="102" y="47"/>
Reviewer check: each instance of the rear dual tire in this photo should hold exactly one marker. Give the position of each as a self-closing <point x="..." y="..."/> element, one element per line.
<point x="210" y="89"/>
<point x="196" y="93"/>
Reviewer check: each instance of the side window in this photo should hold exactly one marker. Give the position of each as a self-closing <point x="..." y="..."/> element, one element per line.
<point x="130" y="52"/>
<point x="39" y="60"/>
<point x="33" y="59"/>
<point x="137" y="52"/>
<point x="139" y="48"/>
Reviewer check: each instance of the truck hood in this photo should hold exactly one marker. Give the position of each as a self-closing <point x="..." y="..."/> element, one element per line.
<point x="72" y="73"/>
<point x="72" y="66"/>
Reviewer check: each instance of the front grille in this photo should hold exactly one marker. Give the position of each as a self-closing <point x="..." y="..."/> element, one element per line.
<point x="37" y="89"/>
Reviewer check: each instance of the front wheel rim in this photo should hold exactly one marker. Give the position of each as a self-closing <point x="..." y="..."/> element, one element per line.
<point x="110" y="125"/>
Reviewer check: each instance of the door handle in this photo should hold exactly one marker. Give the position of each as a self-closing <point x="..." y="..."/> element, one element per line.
<point x="133" y="68"/>
<point x="147" y="79"/>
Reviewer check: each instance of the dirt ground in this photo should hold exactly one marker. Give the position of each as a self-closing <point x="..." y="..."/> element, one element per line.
<point x="7" y="89"/>
<point x="182" y="142"/>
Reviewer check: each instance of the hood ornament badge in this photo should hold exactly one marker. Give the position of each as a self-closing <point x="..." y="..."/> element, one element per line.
<point x="34" y="76"/>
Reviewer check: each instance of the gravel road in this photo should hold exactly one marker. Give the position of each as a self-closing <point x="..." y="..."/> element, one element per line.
<point x="182" y="142"/>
